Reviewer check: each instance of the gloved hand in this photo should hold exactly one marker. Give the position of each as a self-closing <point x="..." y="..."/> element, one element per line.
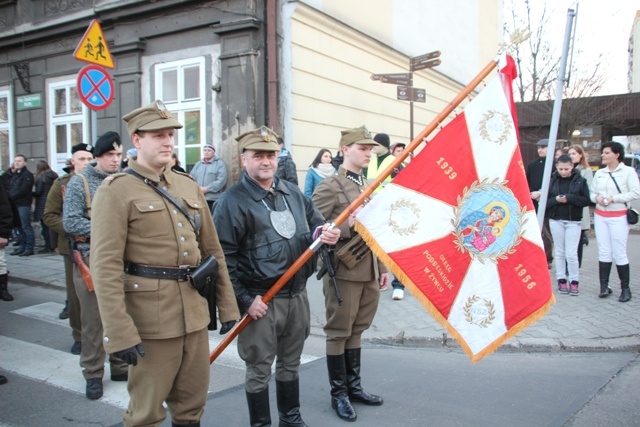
<point x="129" y="356"/>
<point x="227" y="326"/>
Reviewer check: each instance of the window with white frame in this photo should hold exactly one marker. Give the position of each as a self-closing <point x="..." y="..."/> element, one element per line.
<point x="68" y="124"/>
<point x="5" y="129"/>
<point x="181" y="86"/>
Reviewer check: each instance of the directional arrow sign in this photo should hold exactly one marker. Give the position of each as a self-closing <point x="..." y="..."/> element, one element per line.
<point x="425" y="57"/>
<point x="396" y="79"/>
<point x="425" y="64"/>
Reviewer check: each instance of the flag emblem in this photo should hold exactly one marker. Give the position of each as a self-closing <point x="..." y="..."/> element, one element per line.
<point x="457" y="227"/>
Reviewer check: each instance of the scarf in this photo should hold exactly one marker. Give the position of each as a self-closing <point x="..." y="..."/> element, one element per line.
<point x="325" y="169"/>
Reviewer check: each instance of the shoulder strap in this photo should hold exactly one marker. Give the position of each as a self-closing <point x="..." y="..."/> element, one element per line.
<point x="616" y="183"/>
<point x="342" y="188"/>
<point x="167" y="196"/>
<point x="87" y="195"/>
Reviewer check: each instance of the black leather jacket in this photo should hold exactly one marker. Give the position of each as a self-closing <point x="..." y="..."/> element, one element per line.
<point x="256" y="255"/>
<point x="577" y="191"/>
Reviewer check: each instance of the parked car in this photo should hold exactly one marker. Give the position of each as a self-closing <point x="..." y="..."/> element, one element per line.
<point x="633" y="160"/>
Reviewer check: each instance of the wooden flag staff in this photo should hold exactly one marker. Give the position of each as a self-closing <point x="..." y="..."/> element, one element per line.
<point x="306" y="255"/>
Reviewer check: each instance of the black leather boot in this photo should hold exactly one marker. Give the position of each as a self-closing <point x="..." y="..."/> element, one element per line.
<point x="604" y="270"/>
<point x="4" y="293"/>
<point x="356" y="393"/>
<point x="288" y="396"/>
<point x="339" y="392"/>
<point x="259" y="411"/>
<point x="623" y="274"/>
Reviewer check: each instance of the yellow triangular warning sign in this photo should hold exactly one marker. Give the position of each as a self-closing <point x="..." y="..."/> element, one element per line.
<point x="93" y="47"/>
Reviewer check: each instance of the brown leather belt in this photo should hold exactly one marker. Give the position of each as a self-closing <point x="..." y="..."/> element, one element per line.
<point x="181" y="273"/>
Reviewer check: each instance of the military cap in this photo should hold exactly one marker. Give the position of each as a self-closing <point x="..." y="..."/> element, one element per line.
<point x="107" y="142"/>
<point x="154" y="116"/>
<point x="82" y="147"/>
<point x="360" y="135"/>
<point x="261" y="139"/>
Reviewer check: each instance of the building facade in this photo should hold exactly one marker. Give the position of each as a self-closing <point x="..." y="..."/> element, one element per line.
<point x="225" y="67"/>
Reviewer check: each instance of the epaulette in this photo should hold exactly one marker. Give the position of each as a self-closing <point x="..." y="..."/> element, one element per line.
<point x="183" y="174"/>
<point x="109" y="179"/>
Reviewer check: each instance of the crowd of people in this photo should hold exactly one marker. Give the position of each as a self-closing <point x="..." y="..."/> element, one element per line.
<point x="573" y="187"/>
<point x="136" y="233"/>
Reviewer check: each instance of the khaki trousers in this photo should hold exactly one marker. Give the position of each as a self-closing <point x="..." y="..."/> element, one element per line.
<point x="175" y="371"/>
<point x="72" y="300"/>
<point x="346" y="322"/>
<point x="93" y="355"/>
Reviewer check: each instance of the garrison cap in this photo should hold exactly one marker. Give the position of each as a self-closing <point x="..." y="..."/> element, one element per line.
<point x="360" y="136"/>
<point x="82" y="147"/>
<point x="261" y="139"/>
<point x="107" y="142"/>
<point x="154" y="116"/>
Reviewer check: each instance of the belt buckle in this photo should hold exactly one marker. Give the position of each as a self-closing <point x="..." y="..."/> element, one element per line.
<point x="187" y="268"/>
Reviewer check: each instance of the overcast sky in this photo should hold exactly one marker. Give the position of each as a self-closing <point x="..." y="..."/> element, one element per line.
<point x="603" y="26"/>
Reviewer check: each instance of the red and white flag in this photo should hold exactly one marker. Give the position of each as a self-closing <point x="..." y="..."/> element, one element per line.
<point x="457" y="226"/>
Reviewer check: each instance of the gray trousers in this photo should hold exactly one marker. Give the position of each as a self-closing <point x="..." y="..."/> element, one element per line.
<point x="280" y="333"/>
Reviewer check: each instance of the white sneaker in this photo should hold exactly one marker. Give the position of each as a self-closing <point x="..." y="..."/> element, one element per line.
<point x="398" y="294"/>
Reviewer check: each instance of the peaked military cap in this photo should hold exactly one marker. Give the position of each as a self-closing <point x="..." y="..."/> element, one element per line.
<point x="359" y="135"/>
<point x="154" y="116"/>
<point x="261" y="139"/>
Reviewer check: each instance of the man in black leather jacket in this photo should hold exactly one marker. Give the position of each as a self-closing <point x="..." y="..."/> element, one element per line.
<point x="264" y="224"/>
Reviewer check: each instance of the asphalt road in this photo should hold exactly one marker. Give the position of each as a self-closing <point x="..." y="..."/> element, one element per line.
<point x="421" y="386"/>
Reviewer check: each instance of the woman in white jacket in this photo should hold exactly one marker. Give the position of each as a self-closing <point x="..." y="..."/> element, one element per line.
<point x="610" y="220"/>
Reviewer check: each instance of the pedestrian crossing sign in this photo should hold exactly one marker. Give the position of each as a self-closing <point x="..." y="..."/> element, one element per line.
<point x="93" y="47"/>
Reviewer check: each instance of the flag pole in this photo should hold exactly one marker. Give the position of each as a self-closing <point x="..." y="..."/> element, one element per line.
<point x="302" y="259"/>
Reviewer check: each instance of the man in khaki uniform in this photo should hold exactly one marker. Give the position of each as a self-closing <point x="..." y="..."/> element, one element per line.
<point x="81" y="155"/>
<point x="359" y="276"/>
<point x="142" y="246"/>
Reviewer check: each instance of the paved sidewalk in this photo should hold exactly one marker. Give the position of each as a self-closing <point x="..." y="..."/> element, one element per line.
<point x="582" y="323"/>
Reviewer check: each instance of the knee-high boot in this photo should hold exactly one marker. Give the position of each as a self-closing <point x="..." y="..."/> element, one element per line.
<point x="604" y="270"/>
<point x="339" y="392"/>
<point x="259" y="411"/>
<point x="356" y="393"/>
<point x="288" y="396"/>
<point x="623" y="274"/>
<point x="4" y="293"/>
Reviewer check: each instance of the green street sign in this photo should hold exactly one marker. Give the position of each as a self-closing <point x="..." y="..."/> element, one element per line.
<point x="29" y="101"/>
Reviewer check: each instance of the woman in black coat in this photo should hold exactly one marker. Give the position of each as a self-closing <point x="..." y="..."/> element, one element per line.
<point x="44" y="179"/>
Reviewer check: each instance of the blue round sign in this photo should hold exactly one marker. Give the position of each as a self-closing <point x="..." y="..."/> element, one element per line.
<point x="95" y="87"/>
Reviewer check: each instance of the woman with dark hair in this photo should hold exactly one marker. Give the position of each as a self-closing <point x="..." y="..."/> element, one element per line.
<point x="581" y="164"/>
<point x="614" y="186"/>
<point x="319" y="169"/>
<point x="44" y="179"/>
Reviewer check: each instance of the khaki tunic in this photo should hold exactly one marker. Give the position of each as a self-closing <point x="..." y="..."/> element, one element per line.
<point x="131" y="222"/>
<point x="358" y="286"/>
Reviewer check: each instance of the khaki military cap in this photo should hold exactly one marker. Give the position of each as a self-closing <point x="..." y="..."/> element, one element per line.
<point x="360" y="135"/>
<point x="261" y="139"/>
<point x="154" y="116"/>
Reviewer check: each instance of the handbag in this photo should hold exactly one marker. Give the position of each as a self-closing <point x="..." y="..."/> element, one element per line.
<point x="632" y="214"/>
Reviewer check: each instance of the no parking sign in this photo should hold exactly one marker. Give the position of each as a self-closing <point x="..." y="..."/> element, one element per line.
<point x="95" y="87"/>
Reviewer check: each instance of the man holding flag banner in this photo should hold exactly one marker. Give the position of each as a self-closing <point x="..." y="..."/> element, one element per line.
<point x="463" y="236"/>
